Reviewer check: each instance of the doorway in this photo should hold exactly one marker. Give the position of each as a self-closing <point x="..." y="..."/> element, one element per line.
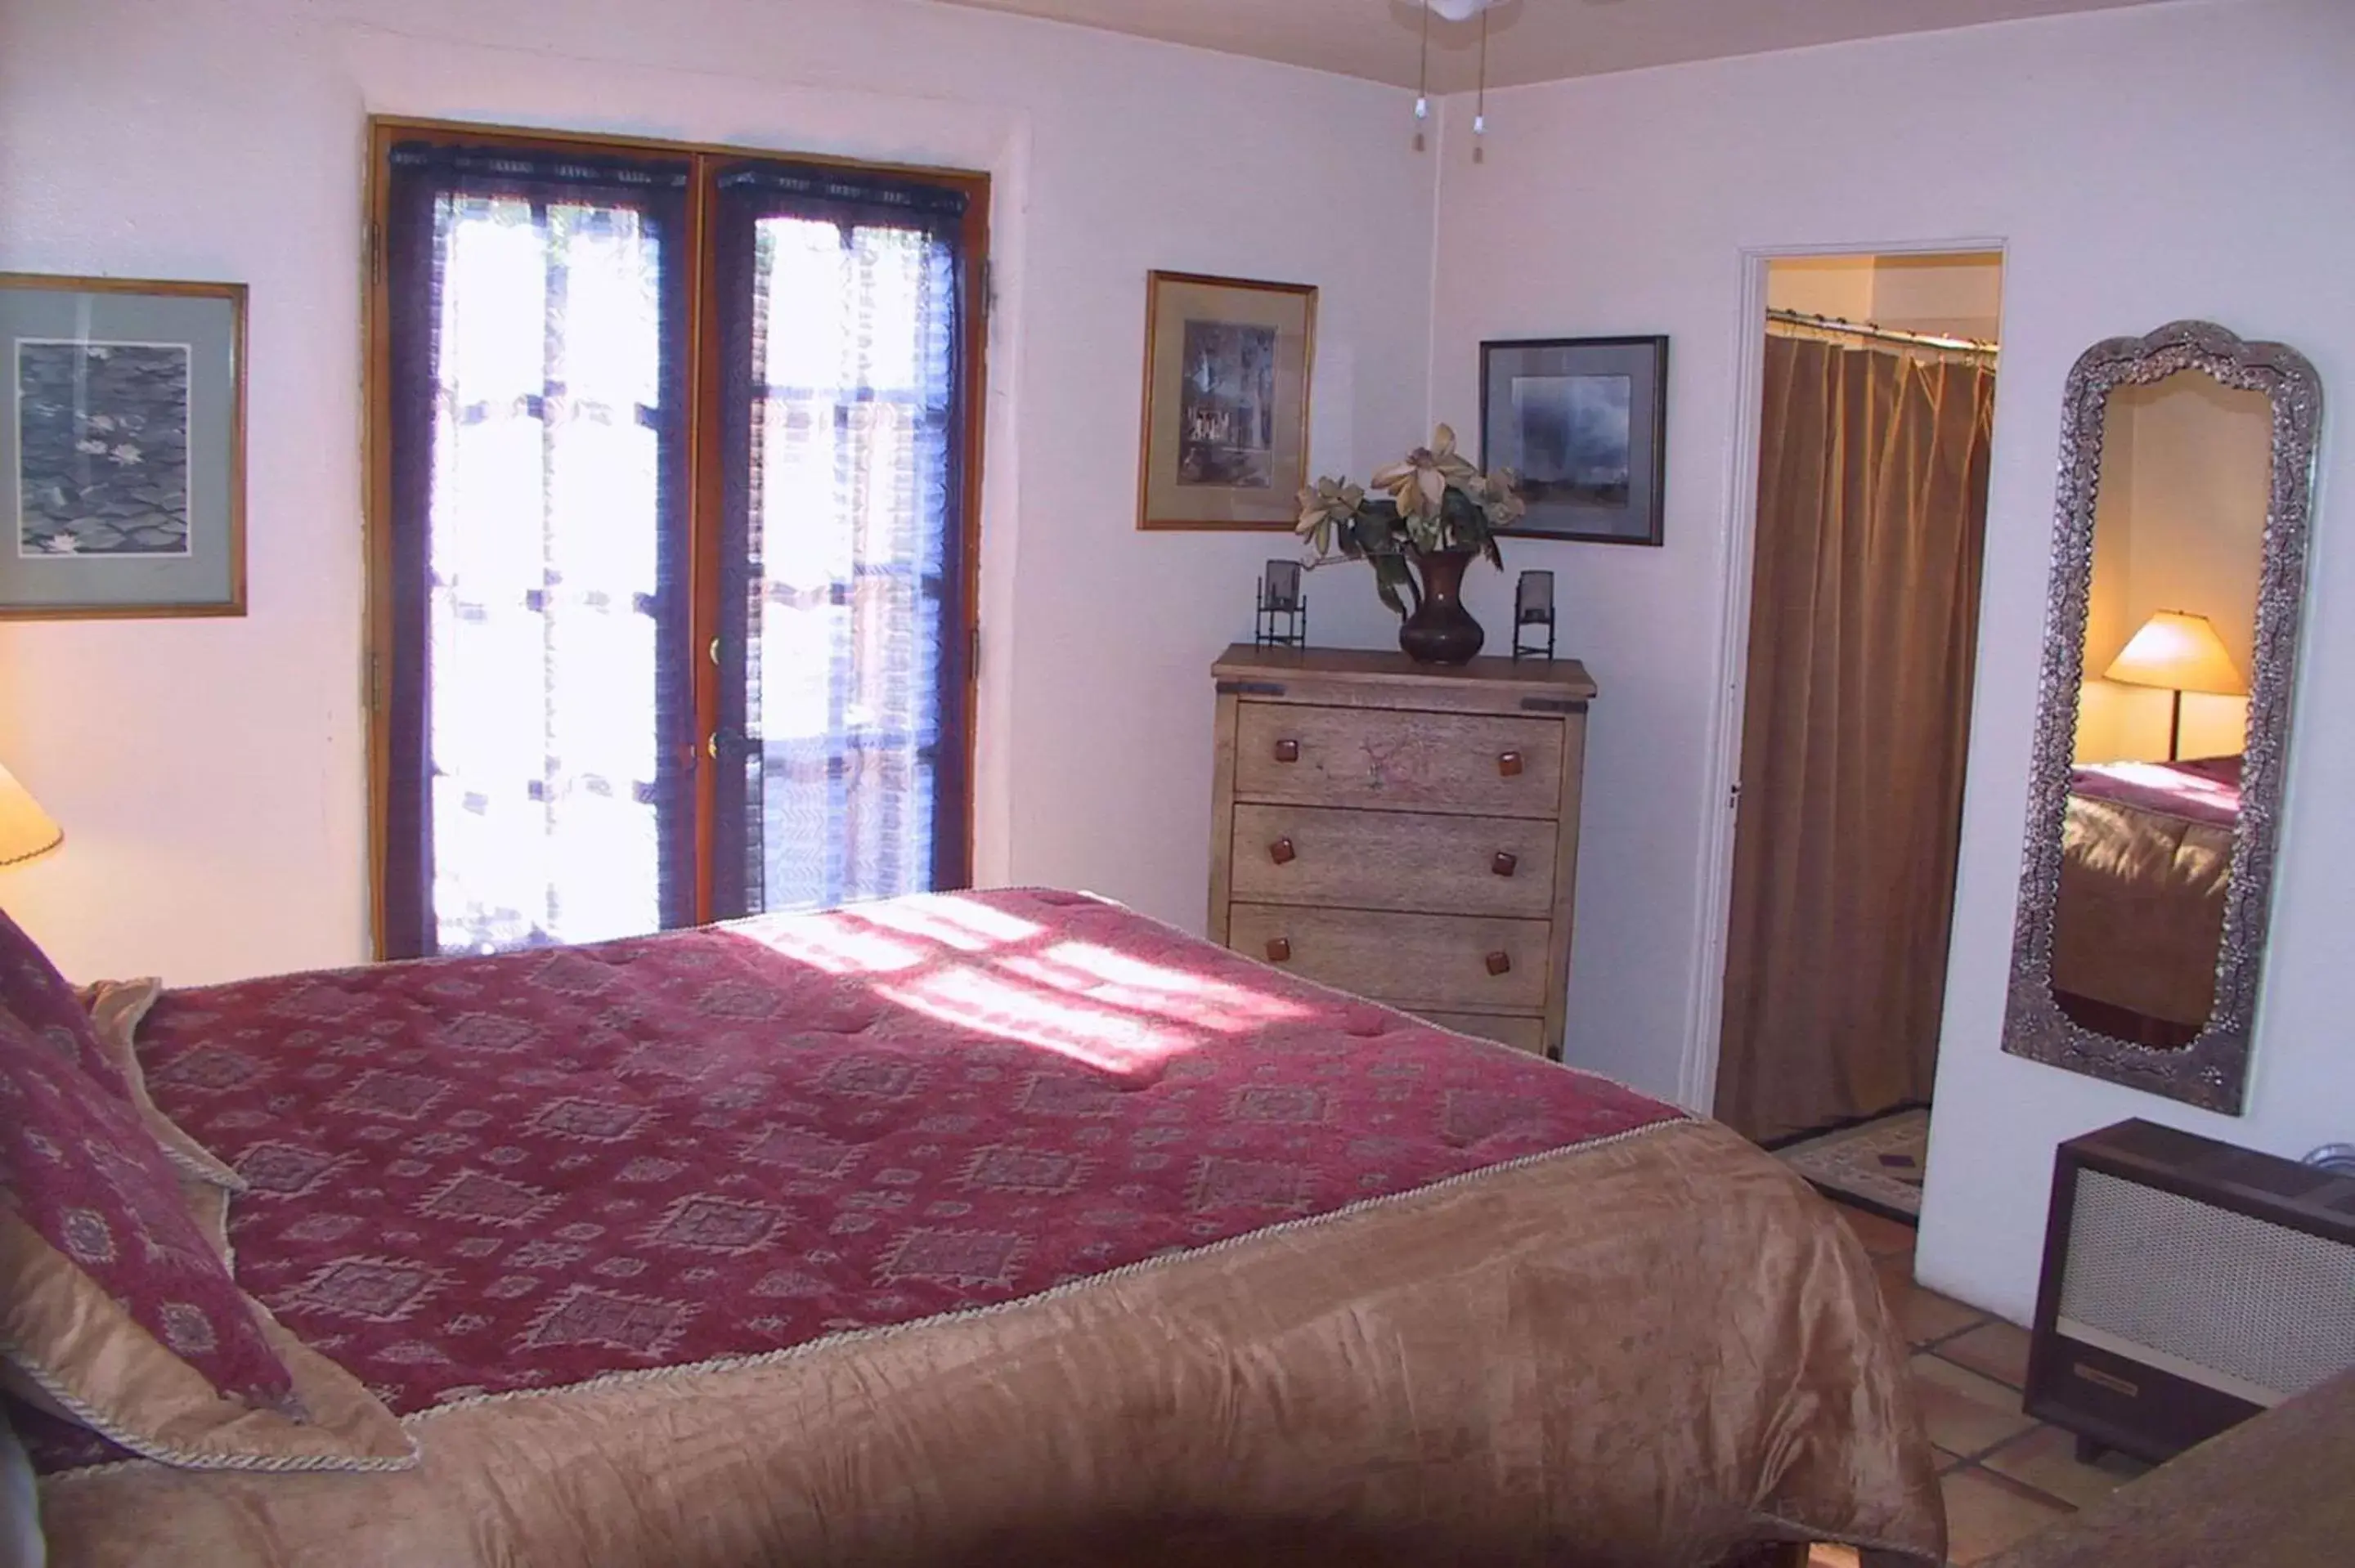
<point x="1877" y="406"/>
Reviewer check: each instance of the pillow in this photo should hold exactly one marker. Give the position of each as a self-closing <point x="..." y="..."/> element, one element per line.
<point x="31" y="988"/>
<point x="120" y="1311"/>
<point x="85" y="1179"/>
<point x="114" y="1009"/>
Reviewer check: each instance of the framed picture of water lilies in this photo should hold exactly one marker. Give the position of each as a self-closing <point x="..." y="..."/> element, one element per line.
<point x="122" y="448"/>
<point x="1226" y="402"/>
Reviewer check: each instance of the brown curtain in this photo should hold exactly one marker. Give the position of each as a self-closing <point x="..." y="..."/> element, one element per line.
<point x="1872" y="502"/>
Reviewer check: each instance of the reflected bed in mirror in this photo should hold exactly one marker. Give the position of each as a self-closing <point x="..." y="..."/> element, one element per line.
<point x="2170" y="636"/>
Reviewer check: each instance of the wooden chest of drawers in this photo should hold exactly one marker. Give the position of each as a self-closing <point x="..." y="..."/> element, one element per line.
<point x="1404" y="831"/>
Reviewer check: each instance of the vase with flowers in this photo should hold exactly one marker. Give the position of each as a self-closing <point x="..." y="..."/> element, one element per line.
<point x="1438" y="513"/>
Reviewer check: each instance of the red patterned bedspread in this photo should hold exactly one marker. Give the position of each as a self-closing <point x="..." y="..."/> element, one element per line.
<point x="481" y="1174"/>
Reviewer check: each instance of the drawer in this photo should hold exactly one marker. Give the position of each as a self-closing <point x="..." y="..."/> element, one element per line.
<point x="1393" y="860"/>
<point x="1519" y="1031"/>
<point x="1461" y="764"/>
<point x="1436" y="960"/>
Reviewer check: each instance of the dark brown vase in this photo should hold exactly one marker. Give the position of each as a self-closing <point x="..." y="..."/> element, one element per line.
<point x="1441" y="631"/>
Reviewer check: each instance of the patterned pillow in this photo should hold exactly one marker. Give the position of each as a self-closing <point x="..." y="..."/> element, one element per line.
<point x="115" y="1008"/>
<point x="86" y="1179"/>
<point x="31" y="988"/>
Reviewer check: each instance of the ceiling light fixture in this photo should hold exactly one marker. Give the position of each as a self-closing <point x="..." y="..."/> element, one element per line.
<point x="1453" y="11"/>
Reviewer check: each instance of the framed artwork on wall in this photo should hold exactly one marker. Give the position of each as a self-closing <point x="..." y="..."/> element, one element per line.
<point x="1226" y="402"/>
<point x="1584" y="422"/>
<point x="122" y="448"/>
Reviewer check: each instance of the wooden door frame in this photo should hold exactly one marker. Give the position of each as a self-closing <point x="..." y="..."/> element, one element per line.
<point x="703" y="428"/>
<point x="1704" y="1019"/>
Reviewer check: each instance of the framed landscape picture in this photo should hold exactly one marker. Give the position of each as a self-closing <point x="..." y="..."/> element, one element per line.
<point x="1226" y="402"/>
<point x="122" y="448"/>
<point x="1583" y="422"/>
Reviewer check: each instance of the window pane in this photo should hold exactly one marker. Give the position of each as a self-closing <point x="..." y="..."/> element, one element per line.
<point x="853" y="343"/>
<point x="544" y="547"/>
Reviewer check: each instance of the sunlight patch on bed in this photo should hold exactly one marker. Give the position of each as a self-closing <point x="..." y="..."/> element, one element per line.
<point x="949" y="919"/>
<point x="830" y="943"/>
<point x="1116" y="979"/>
<point x="1109" y="1038"/>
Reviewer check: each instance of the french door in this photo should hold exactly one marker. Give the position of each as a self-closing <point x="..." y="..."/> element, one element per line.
<point x="673" y="468"/>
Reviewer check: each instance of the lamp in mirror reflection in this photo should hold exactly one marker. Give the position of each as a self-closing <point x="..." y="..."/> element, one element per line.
<point x="2181" y="653"/>
<point x="26" y="831"/>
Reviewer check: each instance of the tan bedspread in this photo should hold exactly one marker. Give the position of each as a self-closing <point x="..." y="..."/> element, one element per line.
<point x="1646" y="1352"/>
<point x="2138" y="919"/>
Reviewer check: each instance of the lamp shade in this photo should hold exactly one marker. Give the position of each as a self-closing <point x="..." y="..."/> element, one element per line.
<point x="25" y="830"/>
<point x="2179" y="651"/>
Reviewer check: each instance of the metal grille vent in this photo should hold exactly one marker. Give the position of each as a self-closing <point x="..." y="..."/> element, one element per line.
<point x="2259" y="1302"/>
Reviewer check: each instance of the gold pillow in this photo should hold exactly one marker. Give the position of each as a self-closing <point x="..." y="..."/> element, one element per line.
<point x="80" y="1355"/>
<point x="69" y="1346"/>
<point x="115" y="1009"/>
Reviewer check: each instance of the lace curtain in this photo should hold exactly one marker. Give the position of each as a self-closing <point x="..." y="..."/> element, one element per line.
<point x="841" y="659"/>
<point x="539" y="489"/>
<point x="545" y="748"/>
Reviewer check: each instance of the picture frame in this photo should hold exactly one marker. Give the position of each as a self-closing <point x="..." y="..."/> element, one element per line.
<point x="122" y="448"/>
<point x="1227" y="368"/>
<point x="1583" y="421"/>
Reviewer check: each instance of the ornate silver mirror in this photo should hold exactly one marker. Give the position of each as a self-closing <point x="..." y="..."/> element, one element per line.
<point x="2171" y="644"/>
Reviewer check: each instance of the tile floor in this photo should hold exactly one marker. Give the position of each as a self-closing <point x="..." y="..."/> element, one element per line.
<point x="2005" y="1475"/>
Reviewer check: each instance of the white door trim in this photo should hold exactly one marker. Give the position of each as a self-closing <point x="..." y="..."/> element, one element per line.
<point x="1697" y="1076"/>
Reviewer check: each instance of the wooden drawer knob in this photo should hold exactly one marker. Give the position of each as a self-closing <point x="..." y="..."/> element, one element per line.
<point x="1498" y="963"/>
<point x="1505" y="862"/>
<point x="1509" y="764"/>
<point x="1287" y="751"/>
<point x="1279" y="950"/>
<point x="1281" y="851"/>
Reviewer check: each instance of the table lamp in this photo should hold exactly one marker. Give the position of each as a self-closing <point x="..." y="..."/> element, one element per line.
<point x="26" y="830"/>
<point x="2181" y="653"/>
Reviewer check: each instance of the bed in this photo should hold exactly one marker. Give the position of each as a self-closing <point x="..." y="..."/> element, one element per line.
<point x="991" y="1228"/>
<point x="2139" y="920"/>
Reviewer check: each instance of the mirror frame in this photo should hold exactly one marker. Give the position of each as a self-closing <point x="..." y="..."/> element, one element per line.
<point x="2213" y="1071"/>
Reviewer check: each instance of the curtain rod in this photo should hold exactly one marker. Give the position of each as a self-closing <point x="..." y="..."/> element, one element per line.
<point x="1880" y="334"/>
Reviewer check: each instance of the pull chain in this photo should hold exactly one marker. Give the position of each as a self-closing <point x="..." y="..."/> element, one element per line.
<point x="1422" y="75"/>
<point x="1480" y="108"/>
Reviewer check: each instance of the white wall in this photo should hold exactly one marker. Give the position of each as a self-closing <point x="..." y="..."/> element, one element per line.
<point x="1836" y="286"/>
<point x="1961" y="296"/>
<point x="1956" y="296"/>
<point x="2138" y="165"/>
<point x="210" y="774"/>
<point x="2179" y="525"/>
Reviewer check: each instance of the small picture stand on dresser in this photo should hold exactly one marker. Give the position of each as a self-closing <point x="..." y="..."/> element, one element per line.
<point x="1282" y="607"/>
<point x="1406" y="832"/>
<point x="1532" y="608"/>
